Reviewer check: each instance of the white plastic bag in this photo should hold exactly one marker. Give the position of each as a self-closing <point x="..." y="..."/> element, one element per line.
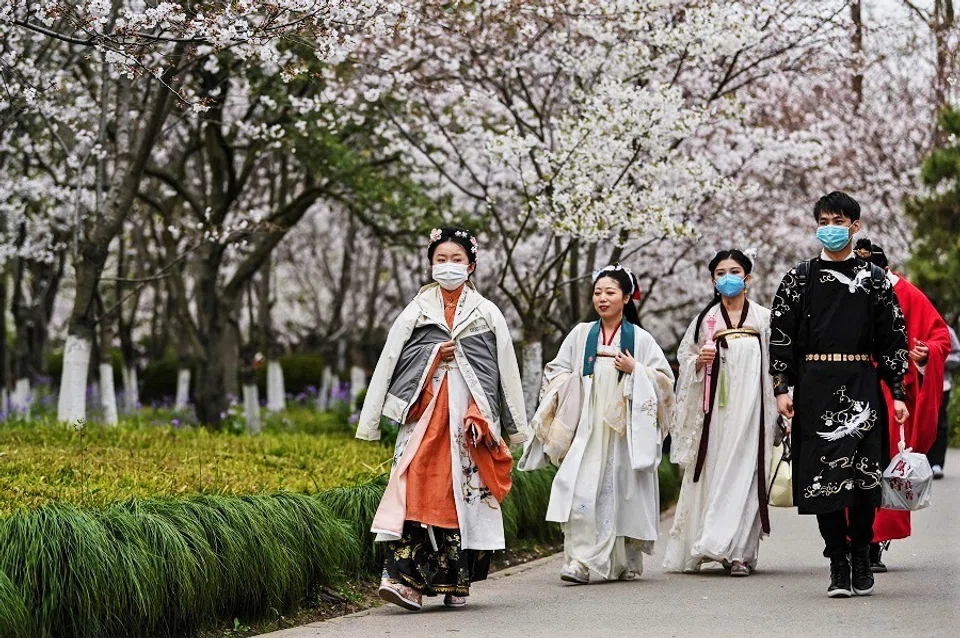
<point x="908" y="480"/>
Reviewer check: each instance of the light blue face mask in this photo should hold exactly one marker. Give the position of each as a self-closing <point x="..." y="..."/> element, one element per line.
<point x="730" y="285"/>
<point x="833" y="238"/>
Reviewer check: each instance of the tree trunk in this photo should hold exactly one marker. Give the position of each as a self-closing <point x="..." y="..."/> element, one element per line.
<point x="251" y="407"/>
<point x="108" y="394"/>
<point x="276" y="394"/>
<point x="108" y="391"/>
<point x="72" y="402"/>
<point x="21" y="399"/>
<point x="358" y="383"/>
<point x="531" y="369"/>
<point x="131" y="387"/>
<point x="857" y="46"/>
<point x="211" y="389"/>
<point x="326" y="387"/>
<point x="183" y="388"/>
<point x="128" y="352"/>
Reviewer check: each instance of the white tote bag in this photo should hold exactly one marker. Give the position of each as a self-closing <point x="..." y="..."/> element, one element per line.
<point x="780" y="493"/>
<point x="908" y="480"/>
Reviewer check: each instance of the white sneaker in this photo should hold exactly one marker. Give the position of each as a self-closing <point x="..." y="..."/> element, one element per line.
<point x="574" y="573"/>
<point x="937" y="472"/>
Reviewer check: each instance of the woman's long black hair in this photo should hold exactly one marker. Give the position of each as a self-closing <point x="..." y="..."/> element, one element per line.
<point x="628" y="284"/>
<point x="738" y="257"/>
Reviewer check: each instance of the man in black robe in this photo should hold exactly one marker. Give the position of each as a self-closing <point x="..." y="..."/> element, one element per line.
<point x="837" y="330"/>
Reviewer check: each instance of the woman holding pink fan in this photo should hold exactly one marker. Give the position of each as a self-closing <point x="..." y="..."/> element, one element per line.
<point x="723" y="427"/>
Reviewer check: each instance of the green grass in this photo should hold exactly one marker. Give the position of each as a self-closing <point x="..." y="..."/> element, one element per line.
<point x="98" y="466"/>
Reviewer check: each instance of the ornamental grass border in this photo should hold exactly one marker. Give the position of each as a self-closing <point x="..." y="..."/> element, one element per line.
<point x="170" y="566"/>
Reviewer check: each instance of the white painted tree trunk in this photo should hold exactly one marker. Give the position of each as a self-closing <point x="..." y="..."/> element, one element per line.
<point x="20" y="400"/>
<point x="251" y="407"/>
<point x="72" y="402"/>
<point x="358" y="383"/>
<point x="4" y="403"/>
<point x="108" y="395"/>
<point x="531" y="375"/>
<point x="183" y="389"/>
<point x="276" y="393"/>
<point x="131" y="388"/>
<point x="326" y="385"/>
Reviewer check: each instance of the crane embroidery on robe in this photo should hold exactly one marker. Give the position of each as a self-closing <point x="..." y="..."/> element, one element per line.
<point x="855" y="418"/>
<point x="858" y="282"/>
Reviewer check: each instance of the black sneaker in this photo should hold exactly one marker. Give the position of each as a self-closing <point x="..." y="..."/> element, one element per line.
<point x="839" y="578"/>
<point x="876" y="565"/>
<point x="862" y="574"/>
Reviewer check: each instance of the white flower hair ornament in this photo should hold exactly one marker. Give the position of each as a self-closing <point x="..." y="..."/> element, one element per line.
<point x="460" y="236"/>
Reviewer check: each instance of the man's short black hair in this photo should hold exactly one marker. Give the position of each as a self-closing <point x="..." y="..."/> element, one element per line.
<point x="839" y="204"/>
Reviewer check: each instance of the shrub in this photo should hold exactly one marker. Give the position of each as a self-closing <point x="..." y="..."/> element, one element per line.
<point x="166" y="566"/>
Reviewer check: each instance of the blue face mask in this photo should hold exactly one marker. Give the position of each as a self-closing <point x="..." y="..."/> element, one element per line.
<point x="833" y="238"/>
<point x="730" y="285"/>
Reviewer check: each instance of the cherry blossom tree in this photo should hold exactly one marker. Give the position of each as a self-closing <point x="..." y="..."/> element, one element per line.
<point x="144" y="65"/>
<point x="575" y="128"/>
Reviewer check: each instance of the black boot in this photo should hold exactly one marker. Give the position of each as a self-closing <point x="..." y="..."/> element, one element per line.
<point x="876" y="565"/>
<point x="862" y="574"/>
<point x="839" y="577"/>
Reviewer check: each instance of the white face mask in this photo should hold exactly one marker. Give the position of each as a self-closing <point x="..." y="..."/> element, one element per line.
<point x="450" y="276"/>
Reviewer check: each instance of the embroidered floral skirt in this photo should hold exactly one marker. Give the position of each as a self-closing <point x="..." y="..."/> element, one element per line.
<point x="448" y="569"/>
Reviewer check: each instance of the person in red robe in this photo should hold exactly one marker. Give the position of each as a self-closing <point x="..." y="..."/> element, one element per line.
<point x="929" y="343"/>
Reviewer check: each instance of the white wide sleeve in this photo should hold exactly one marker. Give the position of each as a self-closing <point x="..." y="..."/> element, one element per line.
<point x="687" y="422"/>
<point x="651" y="403"/>
<point x="510" y="381"/>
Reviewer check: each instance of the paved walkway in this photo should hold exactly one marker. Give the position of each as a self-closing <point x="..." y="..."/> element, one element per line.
<point x="920" y="596"/>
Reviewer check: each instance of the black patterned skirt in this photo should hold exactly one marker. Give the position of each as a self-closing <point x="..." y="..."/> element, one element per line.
<point x="839" y="437"/>
<point x="448" y="569"/>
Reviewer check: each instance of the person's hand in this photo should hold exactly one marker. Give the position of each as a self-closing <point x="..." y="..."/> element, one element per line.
<point x="707" y="354"/>
<point x="920" y="353"/>
<point x="447" y="350"/>
<point x="624" y="362"/>
<point x="900" y="412"/>
<point x="785" y="405"/>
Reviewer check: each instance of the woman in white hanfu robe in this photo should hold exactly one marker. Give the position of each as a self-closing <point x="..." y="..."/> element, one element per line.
<point x="725" y="452"/>
<point x="606" y="491"/>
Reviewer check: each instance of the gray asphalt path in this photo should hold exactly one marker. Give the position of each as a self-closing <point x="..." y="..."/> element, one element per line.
<point x="920" y="596"/>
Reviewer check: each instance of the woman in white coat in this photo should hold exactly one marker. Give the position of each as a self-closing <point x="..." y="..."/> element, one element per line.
<point x="448" y="374"/>
<point x="722" y="435"/>
<point x="605" y="406"/>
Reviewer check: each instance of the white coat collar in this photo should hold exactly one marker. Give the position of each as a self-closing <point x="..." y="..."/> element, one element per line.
<point x="431" y="303"/>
